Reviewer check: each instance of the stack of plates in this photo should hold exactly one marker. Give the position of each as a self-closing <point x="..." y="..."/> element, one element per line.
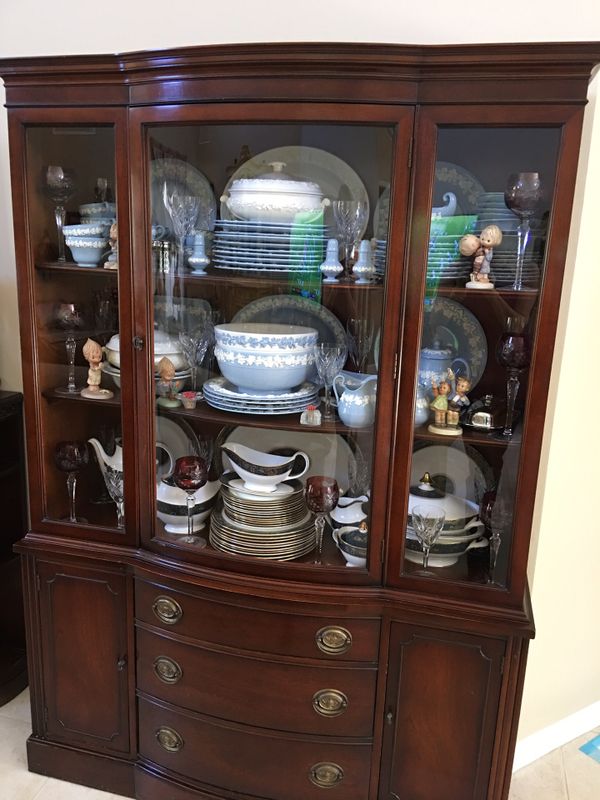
<point x="504" y="262"/>
<point x="221" y="394"/>
<point x="492" y="210"/>
<point x="380" y="256"/>
<point x="274" y="525"/>
<point x="268" y="246"/>
<point x="444" y="262"/>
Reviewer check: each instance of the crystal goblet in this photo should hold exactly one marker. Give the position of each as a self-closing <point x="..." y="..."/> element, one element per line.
<point x="71" y="457"/>
<point x="59" y="187"/>
<point x="522" y="195"/>
<point x="427" y="523"/>
<point x="183" y="210"/>
<point x="359" y="333"/>
<point x="70" y="317"/>
<point x="195" y="344"/>
<point x="350" y="217"/>
<point x="322" y="494"/>
<point x="190" y="474"/>
<point x="329" y="360"/>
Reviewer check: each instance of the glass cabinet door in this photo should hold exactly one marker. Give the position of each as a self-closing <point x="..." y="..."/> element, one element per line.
<point x="72" y="248"/>
<point x="269" y="266"/>
<point x="492" y="198"/>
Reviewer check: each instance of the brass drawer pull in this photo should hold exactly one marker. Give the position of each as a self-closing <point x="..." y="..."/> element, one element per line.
<point x="330" y="702"/>
<point x="167" y="670"/>
<point x="325" y="775"/>
<point x="167" y="610"/>
<point x="169" y="739"/>
<point x="333" y="640"/>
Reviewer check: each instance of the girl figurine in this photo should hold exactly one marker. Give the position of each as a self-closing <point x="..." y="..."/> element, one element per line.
<point x="166" y="386"/>
<point x="439" y="405"/>
<point x="482" y="248"/>
<point x="92" y="352"/>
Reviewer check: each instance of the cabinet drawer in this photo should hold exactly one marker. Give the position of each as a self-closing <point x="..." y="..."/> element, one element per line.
<point x="250" y="760"/>
<point x="346" y="639"/>
<point x="286" y="696"/>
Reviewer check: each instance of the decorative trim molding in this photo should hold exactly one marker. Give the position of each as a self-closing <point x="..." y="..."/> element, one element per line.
<point x="556" y="735"/>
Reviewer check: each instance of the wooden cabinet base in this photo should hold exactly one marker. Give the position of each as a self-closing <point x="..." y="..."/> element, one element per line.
<point x="103" y="772"/>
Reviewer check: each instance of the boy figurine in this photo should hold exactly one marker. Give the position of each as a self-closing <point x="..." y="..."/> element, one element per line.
<point x="457" y="402"/>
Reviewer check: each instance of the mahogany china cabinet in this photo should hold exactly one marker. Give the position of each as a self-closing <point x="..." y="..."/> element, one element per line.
<point x="238" y="582"/>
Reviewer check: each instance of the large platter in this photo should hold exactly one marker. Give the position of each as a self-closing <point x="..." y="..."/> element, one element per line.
<point x="456" y="179"/>
<point x="337" y="179"/>
<point x="187" y="180"/>
<point x="454" y="326"/>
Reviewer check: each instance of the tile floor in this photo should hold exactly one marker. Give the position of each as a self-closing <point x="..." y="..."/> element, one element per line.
<point x="564" y="774"/>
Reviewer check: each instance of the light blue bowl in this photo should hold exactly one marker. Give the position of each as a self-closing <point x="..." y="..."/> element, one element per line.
<point x="87" y="252"/>
<point x="94" y="229"/>
<point x="263" y="374"/>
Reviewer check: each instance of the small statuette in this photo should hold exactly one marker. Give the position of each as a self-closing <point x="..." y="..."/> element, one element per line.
<point x="364" y="269"/>
<point x="167" y="386"/>
<point x="331" y="267"/>
<point x="311" y="416"/>
<point x="198" y="259"/>
<point x="92" y="352"/>
<point x="482" y="249"/>
<point x="112" y="262"/>
<point x="449" y="401"/>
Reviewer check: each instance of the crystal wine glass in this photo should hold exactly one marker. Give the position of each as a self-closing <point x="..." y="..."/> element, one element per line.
<point x="350" y="217"/>
<point x="329" y="360"/>
<point x="497" y="516"/>
<point x="360" y="334"/>
<point x="427" y="523"/>
<point x="69" y="317"/>
<point x="322" y="494"/>
<point x="183" y="210"/>
<point x="522" y="195"/>
<point x="71" y="457"/>
<point x="190" y="474"/>
<point x="59" y="187"/>
<point x="113" y="478"/>
<point x="195" y="345"/>
<point x="514" y="353"/>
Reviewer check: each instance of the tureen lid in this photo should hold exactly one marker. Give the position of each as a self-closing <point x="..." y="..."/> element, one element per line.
<point x="275" y="181"/>
<point x="163" y="343"/>
<point x="455" y="507"/>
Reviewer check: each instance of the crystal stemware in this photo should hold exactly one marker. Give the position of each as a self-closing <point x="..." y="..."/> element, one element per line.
<point x="195" y="344"/>
<point x="59" y="187"/>
<point x="513" y="352"/>
<point x="522" y="195"/>
<point x="360" y="334"/>
<point x="183" y="210"/>
<point x="71" y="457"/>
<point x="427" y="523"/>
<point x="70" y="317"/>
<point x="329" y="360"/>
<point x="322" y="494"/>
<point x="113" y="479"/>
<point x="350" y="217"/>
<point x="190" y="474"/>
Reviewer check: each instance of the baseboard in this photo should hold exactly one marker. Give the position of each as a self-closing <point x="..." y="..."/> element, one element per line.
<point x="556" y="735"/>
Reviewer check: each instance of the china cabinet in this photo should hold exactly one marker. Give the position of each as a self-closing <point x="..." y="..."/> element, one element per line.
<point x="282" y="458"/>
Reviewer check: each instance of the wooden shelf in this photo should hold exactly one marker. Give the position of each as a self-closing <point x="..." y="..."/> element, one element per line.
<point x="290" y="279"/>
<point x="506" y="294"/>
<point x="470" y="436"/>
<point x="74" y="269"/>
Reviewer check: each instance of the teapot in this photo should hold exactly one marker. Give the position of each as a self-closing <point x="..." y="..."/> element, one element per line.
<point x="356" y="402"/>
<point x="435" y="361"/>
<point x="114" y="462"/>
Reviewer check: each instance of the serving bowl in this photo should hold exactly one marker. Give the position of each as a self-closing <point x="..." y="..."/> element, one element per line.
<point x="263" y="372"/>
<point x="93" y="229"/>
<point x="171" y="505"/>
<point x="114" y="373"/>
<point x="258" y="336"/>
<point x="275" y="197"/>
<point x="263" y="472"/>
<point x="442" y="553"/>
<point x="352" y="544"/>
<point x="103" y="209"/>
<point x="459" y="511"/>
<point x="164" y="345"/>
<point x="86" y="252"/>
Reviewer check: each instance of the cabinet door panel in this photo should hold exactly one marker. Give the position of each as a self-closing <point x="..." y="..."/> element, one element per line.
<point x="83" y="616"/>
<point x="443" y="694"/>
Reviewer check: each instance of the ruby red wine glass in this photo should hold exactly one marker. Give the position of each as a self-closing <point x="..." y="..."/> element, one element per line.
<point x="191" y="474"/>
<point x="322" y="494"/>
<point x="71" y="457"/>
<point x="513" y="352"/>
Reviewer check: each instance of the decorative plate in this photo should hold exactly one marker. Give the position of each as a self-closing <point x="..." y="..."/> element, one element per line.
<point x="453" y="178"/>
<point x="457" y="469"/>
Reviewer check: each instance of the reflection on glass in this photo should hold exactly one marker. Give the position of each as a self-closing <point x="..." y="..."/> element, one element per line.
<point x="513" y="352"/>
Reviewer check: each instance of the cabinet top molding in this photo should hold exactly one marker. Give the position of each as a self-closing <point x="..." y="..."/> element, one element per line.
<point x="388" y="73"/>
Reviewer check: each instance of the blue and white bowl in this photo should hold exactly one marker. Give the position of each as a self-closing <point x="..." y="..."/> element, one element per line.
<point x="87" y="251"/>
<point x="268" y="337"/>
<point x="95" y="210"/>
<point x="93" y="229"/>
<point x="264" y="372"/>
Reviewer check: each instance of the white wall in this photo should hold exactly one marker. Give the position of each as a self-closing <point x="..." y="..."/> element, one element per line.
<point x="565" y="658"/>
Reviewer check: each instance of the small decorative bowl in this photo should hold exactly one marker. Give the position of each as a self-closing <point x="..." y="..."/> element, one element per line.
<point x="93" y="229"/>
<point x="189" y="399"/>
<point x="86" y="252"/>
<point x="98" y="210"/>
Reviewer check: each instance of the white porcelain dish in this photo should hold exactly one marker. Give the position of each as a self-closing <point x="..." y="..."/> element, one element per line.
<point x="265" y="336"/>
<point x="263" y="374"/>
<point x="460" y="470"/>
<point x="171" y="505"/>
<point x="164" y="345"/>
<point x="263" y="472"/>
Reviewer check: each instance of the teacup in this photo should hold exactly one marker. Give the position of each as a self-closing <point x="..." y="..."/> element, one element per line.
<point x="262" y="472"/>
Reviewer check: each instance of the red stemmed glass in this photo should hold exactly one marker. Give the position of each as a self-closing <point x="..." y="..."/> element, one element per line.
<point x="190" y="474"/>
<point x="322" y="494"/>
<point x="70" y="457"/>
<point x="513" y="352"/>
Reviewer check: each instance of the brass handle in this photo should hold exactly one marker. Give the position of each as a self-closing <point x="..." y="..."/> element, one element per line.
<point x="169" y="739"/>
<point x="167" y="670"/>
<point x="330" y="702"/>
<point x="325" y="775"/>
<point x="333" y="640"/>
<point x="167" y="610"/>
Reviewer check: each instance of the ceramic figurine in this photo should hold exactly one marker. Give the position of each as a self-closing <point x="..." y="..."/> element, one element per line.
<point x="331" y="267"/>
<point x="167" y="386"/>
<point x="92" y="352"/>
<point x="439" y="404"/>
<point x="112" y="262"/>
<point x="364" y="269"/>
<point x="458" y="401"/>
<point x="449" y="399"/>
<point x="482" y="249"/>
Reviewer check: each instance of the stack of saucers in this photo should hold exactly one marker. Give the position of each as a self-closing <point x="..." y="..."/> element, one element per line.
<point x="268" y="246"/>
<point x="492" y="210"/>
<point x="274" y="525"/>
<point x="221" y="394"/>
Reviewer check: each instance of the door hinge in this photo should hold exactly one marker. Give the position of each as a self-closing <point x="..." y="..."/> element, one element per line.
<point x="38" y="582"/>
